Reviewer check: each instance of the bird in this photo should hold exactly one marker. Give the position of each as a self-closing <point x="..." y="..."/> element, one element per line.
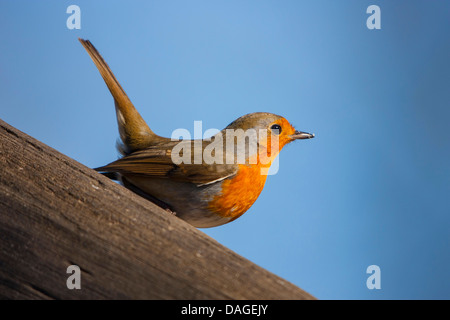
<point x="206" y="182"/>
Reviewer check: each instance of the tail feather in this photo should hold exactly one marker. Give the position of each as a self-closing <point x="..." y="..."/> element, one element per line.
<point x="134" y="132"/>
<point x="110" y="175"/>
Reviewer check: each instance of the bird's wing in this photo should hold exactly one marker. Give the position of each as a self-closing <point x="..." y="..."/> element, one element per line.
<point x="156" y="162"/>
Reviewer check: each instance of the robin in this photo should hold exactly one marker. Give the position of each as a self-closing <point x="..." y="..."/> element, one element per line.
<point x="203" y="192"/>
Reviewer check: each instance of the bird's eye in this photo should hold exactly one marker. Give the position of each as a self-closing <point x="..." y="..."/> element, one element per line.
<point x="276" y="128"/>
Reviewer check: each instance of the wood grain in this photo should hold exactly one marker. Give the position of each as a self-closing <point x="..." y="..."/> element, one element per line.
<point x="55" y="212"/>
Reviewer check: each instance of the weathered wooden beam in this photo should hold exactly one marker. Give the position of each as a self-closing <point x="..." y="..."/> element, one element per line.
<point x="55" y="212"/>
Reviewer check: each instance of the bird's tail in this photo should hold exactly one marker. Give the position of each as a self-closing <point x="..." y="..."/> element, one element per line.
<point x="134" y="132"/>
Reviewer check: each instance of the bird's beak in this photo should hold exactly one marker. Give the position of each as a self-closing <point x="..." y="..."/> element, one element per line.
<point x="301" y="135"/>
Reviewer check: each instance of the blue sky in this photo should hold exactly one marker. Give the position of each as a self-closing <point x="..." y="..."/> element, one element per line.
<point x="373" y="187"/>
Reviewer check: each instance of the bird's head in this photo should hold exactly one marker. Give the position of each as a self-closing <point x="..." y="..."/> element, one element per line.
<point x="268" y="131"/>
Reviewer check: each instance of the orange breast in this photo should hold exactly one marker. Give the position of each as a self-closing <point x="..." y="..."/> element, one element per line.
<point x="240" y="192"/>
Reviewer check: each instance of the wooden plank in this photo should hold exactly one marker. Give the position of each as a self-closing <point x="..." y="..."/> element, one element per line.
<point x="55" y="212"/>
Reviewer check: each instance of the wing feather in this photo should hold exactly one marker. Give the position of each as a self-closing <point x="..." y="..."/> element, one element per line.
<point x="156" y="162"/>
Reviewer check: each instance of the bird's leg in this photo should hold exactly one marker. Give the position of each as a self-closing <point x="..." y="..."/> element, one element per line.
<point x="147" y="196"/>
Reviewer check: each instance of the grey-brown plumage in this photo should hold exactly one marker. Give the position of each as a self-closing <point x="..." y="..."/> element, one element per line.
<point x="191" y="186"/>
